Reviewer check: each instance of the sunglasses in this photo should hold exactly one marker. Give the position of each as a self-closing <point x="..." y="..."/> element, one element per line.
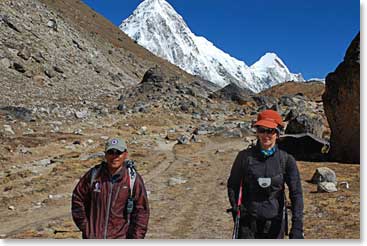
<point x="114" y="152"/>
<point x="266" y="130"/>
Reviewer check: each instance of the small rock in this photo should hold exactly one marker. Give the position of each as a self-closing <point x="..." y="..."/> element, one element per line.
<point x="5" y="62"/>
<point x="143" y="130"/>
<point x="78" y="132"/>
<point x="49" y="73"/>
<point x="122" y="107"/>
<point x="341" y="198"/>
<point x="8" y="129"/>
<point x="56" y="197"/>
<point x="344" y="183"/>
<point x="29" y="131"/>
<point x="183" y="139"/>
<point x="81" y="114"/>
<point x="326" y="187"/>
<point x="175" y="181"/>
<point x="25" y="53"/>
<point x="92" y="156"/>
<point x="24" y="150"/>
<point x="219" y="151"/>
<point x="19" y="67"/>
<point x="58" y="69"/>
<point x="44" y="162"/>
<point x="7" y="188"/>
<point x="11" y="208"/>
<point x="52" y="24"/>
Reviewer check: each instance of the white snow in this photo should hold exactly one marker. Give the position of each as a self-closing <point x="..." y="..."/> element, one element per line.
<point x="155" y="25"/>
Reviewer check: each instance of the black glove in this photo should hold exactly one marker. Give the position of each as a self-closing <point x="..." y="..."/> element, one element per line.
<point x="296" y="234"/>
<point x="234" y="211"/>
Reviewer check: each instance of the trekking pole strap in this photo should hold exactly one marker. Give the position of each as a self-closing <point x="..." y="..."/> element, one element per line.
<point x="132" y="177"/>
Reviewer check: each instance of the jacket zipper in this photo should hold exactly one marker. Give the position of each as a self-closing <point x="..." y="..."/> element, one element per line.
<point x="108" y="210"/>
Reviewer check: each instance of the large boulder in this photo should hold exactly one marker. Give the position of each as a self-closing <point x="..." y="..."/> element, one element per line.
<point x="306" y="123"/>
<point x="153" y="75"/>
<point x="342" y="106"/>
<point x="304" y="146"/>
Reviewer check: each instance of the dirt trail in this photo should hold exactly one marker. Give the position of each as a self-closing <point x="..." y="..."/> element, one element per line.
<point x="187" y="192"/>
<point x="194" y="209"/>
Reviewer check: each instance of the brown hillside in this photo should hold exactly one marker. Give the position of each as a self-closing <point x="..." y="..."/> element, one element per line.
<point x="312" y="90"/>
<point x="99" y="29"/>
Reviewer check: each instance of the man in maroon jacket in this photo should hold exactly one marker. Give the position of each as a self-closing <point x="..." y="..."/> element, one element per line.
<point x="108" y="202"/>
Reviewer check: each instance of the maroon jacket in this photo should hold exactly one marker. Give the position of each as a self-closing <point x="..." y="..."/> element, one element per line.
<point x="99" y="209"/>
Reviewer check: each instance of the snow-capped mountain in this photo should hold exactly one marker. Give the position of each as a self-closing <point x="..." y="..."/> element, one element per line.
<point x="156" y="26"/>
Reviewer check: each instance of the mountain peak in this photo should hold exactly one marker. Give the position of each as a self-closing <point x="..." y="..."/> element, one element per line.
<point x="270" y="59"/>
<point x="154" y="6"/>
<point x="156" y="26"/>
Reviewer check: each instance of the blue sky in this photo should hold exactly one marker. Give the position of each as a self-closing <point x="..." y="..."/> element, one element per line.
<point x="310" y="36"/>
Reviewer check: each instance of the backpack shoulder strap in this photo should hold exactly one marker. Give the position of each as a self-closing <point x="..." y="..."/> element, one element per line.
<point x="283" y="160"/>
<point x="248" y="160"/>
<point x="95" y="171"/>
<point x="130" y="165"/>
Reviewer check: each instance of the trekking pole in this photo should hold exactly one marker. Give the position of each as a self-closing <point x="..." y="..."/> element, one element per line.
<point x="238" y="215"/>
<point x="285" y="219"/>
<point x="286" y="207"/>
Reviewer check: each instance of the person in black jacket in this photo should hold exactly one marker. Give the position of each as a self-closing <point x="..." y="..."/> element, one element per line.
<point x="263" y="170"/>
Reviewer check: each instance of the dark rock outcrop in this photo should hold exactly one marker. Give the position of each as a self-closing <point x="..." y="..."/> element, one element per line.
<point x="153" y="75"/>
<point x="342" y="106"/>
<point x="234" y="93"/>
<point x="304" y="146"/>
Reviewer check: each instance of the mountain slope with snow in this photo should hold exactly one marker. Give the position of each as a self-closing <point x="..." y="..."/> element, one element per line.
<point x="156" y="26"/>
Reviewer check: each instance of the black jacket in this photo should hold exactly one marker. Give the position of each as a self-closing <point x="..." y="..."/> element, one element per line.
<point x="253" y="195"/>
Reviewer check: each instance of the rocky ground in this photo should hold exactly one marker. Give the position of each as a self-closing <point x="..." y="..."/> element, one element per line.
<point x="186" y="183"/>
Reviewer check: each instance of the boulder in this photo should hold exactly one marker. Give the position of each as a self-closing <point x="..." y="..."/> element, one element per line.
<point x="342" y="106"/>
<point x="326" y="187"/>
<point x="323" y="174"/>
<point x="264" y="101"/>
<point x="234" y="93"/>
<point x="304" y="146"/>
<point x="305" y="123"/>
<point x="153" y="75"/>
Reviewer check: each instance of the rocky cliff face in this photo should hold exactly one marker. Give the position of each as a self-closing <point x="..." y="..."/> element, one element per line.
<point x="342" y="106"/>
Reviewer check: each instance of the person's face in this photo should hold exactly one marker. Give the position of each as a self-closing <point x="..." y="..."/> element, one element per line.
<point x="115" y="159"/>
<point x="266" y="136"/>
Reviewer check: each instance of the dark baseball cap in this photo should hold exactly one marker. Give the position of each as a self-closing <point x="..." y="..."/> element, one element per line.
<point x="116" y="143"/>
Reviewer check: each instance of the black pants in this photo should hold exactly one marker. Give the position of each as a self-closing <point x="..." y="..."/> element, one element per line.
<point x="251" y="228"/>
